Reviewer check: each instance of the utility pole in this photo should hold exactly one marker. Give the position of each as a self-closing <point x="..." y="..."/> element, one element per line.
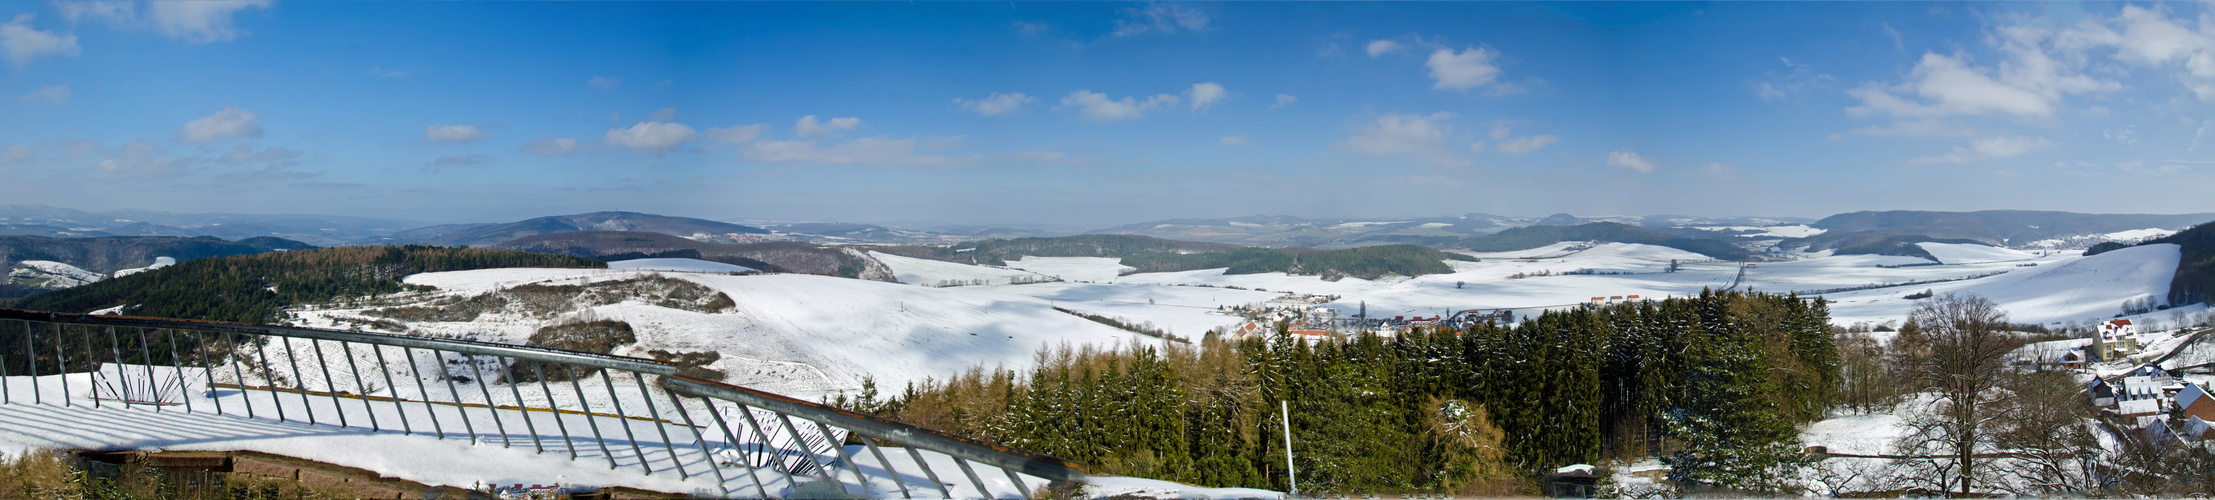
<point x="1290" y="478"/>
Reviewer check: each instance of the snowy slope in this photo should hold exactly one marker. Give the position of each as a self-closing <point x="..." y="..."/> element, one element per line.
<point x="1095" y="269"/>
<point x="799" y="335"/>
<point x="1964" y="253"/>
<point x="679" y="265"/>
<point x="928" y="272"/>
<point x="50" y="274"/>
<point x="2059" y="289"/>
<point x="159" y="262"/>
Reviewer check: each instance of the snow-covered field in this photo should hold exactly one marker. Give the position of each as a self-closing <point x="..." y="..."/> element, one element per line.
<point x="799" y="335"/>
<point x="928" y="272"/>
<point x="1963" y="253"/>
<point x="678" y="265"/>
<point x="1092" y="269"/>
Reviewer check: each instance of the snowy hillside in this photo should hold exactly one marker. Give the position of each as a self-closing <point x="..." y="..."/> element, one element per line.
<point x="1096" y="269"/>
<point x="928" y="272"/>
<point x="799" y="335"/>
<point x="1964" y="253"/>
<point x="2060" y="289"/>
<point x="678" y="265"/>
<point x="49" y="274"/>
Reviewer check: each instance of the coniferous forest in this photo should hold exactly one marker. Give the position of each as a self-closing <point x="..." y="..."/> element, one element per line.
<point x="1713" y="384"/>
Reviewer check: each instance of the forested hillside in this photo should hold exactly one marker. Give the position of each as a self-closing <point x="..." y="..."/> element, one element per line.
<point x="1529" y="237"/>
<point x="1903" y="245"/>
<point x="1714" y="384"/>
<point x="107" y="254"/>
<point x="2195" y="280"/>
<point x="255" y="288"/>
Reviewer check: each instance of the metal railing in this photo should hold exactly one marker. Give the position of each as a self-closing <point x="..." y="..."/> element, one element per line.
<point x="749" y="442"/>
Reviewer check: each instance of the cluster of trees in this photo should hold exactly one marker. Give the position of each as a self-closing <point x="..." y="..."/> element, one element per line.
<point x="257" y="288"/>
<point x="2195" y="279"/>
<point x="1714" y="383"/>
<point x="1529" y="237"/>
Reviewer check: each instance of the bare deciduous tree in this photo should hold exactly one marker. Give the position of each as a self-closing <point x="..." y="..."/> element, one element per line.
<point x="1961" y="364"/>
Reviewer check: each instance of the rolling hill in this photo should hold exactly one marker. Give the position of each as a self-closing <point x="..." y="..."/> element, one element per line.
<point x="775" y="256"/>
<point x="493" y="234"/>
<point x="1528" y="237"/>
<point x="1991" y="227"/>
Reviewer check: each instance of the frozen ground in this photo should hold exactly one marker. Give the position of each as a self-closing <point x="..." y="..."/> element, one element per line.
<point x="514" y="456"/>
<point x="1962" y="253"/>
<point x="928" y="272"/>
<point x="1088" y="269"/>
<point x="800" y="335"/>
<point x="2058" y="288"/>
<point x="678" y="265"/>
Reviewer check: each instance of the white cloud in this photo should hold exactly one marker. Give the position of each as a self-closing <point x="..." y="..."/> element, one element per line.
<point x="737" y="135"/>
<point x="809" y="127"/>
<point x="229" y="123"/>
<point x="1382" y="47"/>
<point x="139" y="156"/>
<point x="2037" y="70"/>
<point x="1419" y="136"/>
<point x="56" y="94"/>
<point x="1099" y="107"/>
<point x="1500" y="132"/>
<point x="1236" y="140"/>
<point x="650" y="137"/>
<point x="1160" y="18"/>
<point x="1720" y="171"/>
<point x="996" y="104"/>
<point x="866" y="150"/>
<point x="121" y="13"/>
<point x="604" y="83"/>
<point x="553" y="146"/>
<point x="1631" y="160"/>
<point x="199" y="21"/>
<point x="1522" y="145"/>
<point x="2148" y="37"/>
<point x="25" y="44"/>
<point x="663" y="115"/>
<point x="454" y="134"/>
<point x="1284" y="100"/>
<point x="381" y="72"/>
<point x="467" y="160"/>
<point x="244" y="152"/>
<point x="16" y="153"/>
<point x="1205" y="94"/>
<point x="1988" y="148"/>
<point x="1467" y="69"/>
<point x="1769" y="92"/>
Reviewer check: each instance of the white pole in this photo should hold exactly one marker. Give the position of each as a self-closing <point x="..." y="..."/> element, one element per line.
<point x="1292" y="479"/>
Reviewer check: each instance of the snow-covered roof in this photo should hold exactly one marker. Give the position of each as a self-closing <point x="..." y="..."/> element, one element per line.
<point x="2138" y="407"/>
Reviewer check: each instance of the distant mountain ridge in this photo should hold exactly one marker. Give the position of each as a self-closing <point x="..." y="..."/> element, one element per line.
<point x="493" y="234"/>
<point x="775" y="256"/>
<point x="1990" y="227"/>
<point x="1529" y="237"/>
<point x="325" y="230"/>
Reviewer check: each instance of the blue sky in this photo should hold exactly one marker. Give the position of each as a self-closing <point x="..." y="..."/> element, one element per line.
<point x="1105" y="113"/>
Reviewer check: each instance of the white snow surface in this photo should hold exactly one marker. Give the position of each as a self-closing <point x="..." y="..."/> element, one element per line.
<point x="1965" y="253"/>
<point x="679" y="265"/>
<point x="2139" y="234"/>
<point x="159" y="262"/>
<point x="2062" y="288"/>
<point x="801" y="335"/>
<point x="928" y="272"/>
<point x="1093" y="269"/>
<point x="57" y="274"/>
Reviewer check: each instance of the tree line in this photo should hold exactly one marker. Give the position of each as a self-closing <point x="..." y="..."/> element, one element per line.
<point x="1714" y="384"/>
<point x="257" y="288"/>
